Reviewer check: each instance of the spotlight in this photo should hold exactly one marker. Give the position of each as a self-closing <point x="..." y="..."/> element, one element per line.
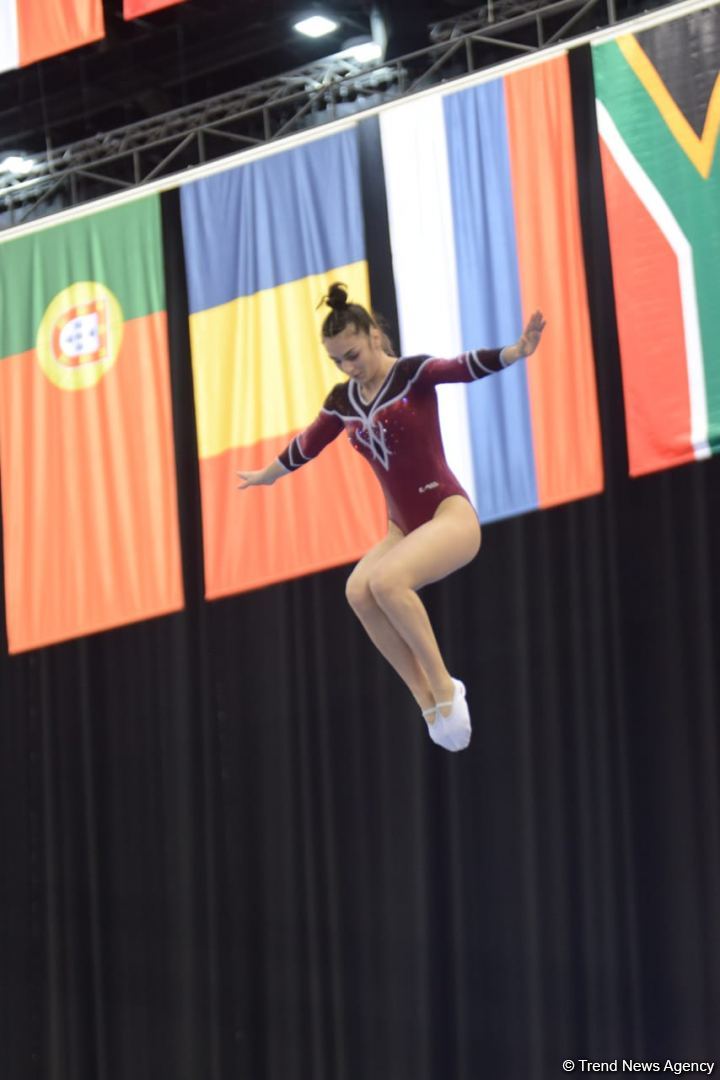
<point x="316" y="26"/>
<point x="17" y="165"/>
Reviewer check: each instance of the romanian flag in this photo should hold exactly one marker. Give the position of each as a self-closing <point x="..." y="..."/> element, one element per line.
<point x="90" y="529"/>
<point x="262" y="244"/>
<point x="133" y="9"/>
<point x="32" y="30"/>
<point x="484" y="224"/>
<point x="658" y="106"/>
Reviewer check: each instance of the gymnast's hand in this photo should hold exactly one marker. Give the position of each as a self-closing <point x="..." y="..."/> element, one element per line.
<point x="268" y="475"/>
<point x="527" y="343"/>
<point x="531" y="335"/>
<point x="250" y="479"/>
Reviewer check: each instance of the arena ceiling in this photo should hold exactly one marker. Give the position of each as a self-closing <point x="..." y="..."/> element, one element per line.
<point x="201" y="48"/>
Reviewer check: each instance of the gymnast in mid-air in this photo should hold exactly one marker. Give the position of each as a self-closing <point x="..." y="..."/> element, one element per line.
<point x="388" y="407"/>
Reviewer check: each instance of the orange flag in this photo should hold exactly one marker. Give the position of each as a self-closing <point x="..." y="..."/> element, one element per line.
<point x="133" y="9"/>
<point x="32" y="30"/>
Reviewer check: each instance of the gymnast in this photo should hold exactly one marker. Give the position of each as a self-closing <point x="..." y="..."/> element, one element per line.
<point x="389" y="410"/>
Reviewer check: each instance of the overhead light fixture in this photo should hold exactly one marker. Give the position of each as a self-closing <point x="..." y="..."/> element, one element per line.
<point x="316" y="26"/>
<point x="365" y="52"/>
<point x="17" y="165"/>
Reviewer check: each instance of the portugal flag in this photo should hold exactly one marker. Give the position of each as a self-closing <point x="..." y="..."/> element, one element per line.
<point x="90" y="528"/>
<point x="32" y="30"/>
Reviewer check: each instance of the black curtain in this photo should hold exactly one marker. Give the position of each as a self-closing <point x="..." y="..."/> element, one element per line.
<point x="229" y="849"/>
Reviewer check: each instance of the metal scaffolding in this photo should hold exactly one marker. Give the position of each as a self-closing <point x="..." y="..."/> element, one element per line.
<point x="306" y="97"/>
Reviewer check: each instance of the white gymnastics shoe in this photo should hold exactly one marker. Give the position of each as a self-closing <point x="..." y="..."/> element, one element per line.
<point x="453" y="731"/>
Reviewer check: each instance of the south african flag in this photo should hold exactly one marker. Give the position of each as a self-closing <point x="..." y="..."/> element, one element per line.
<point x="658" y="106"/>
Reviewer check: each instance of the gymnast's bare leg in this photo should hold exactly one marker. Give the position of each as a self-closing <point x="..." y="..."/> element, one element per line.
<point x="382" y="592"/>
<point x="379" y="629"/>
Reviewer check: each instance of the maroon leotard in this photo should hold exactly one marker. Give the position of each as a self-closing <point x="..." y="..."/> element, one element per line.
<point x="398" y="432"/>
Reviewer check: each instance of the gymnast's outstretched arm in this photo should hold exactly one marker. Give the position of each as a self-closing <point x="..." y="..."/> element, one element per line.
<point x="305" y="446"/>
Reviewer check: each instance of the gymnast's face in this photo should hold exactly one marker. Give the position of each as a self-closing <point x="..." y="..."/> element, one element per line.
<point x="357" y="354"/>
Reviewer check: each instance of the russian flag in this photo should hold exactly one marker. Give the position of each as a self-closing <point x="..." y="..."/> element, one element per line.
<point x="263" y="242"/>
<point x="484" y="225"/>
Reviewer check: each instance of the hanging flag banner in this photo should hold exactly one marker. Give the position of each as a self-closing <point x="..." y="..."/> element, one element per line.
<point x="133" y="9"/>
<point x="484" y="222"/>
<point x="34" y="30"/>
<point x="658" y="108"/>
<point x="262" y="244"/>
<point x="90" y="529"/>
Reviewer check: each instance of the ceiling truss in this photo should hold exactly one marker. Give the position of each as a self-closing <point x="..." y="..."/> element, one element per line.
<point x="306" y="97"/>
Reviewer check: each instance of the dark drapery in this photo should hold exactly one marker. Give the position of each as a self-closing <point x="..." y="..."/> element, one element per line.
<point x="229" y="850"/>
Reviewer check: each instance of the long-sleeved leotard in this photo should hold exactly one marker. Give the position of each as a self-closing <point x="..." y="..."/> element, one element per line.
<point x="398" y="432"/>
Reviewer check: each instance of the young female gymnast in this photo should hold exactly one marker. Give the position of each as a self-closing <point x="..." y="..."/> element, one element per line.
<point x="389" y="410"/>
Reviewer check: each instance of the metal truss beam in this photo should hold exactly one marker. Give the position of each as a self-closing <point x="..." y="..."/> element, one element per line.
<point x="304" y="98"/>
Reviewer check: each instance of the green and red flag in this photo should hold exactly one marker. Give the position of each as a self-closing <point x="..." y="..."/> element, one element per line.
<point x="89" y="503"/>
<point x="658" y="106"/>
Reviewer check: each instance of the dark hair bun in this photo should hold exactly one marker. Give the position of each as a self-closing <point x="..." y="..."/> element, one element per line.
<point x="337" y="297"/>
